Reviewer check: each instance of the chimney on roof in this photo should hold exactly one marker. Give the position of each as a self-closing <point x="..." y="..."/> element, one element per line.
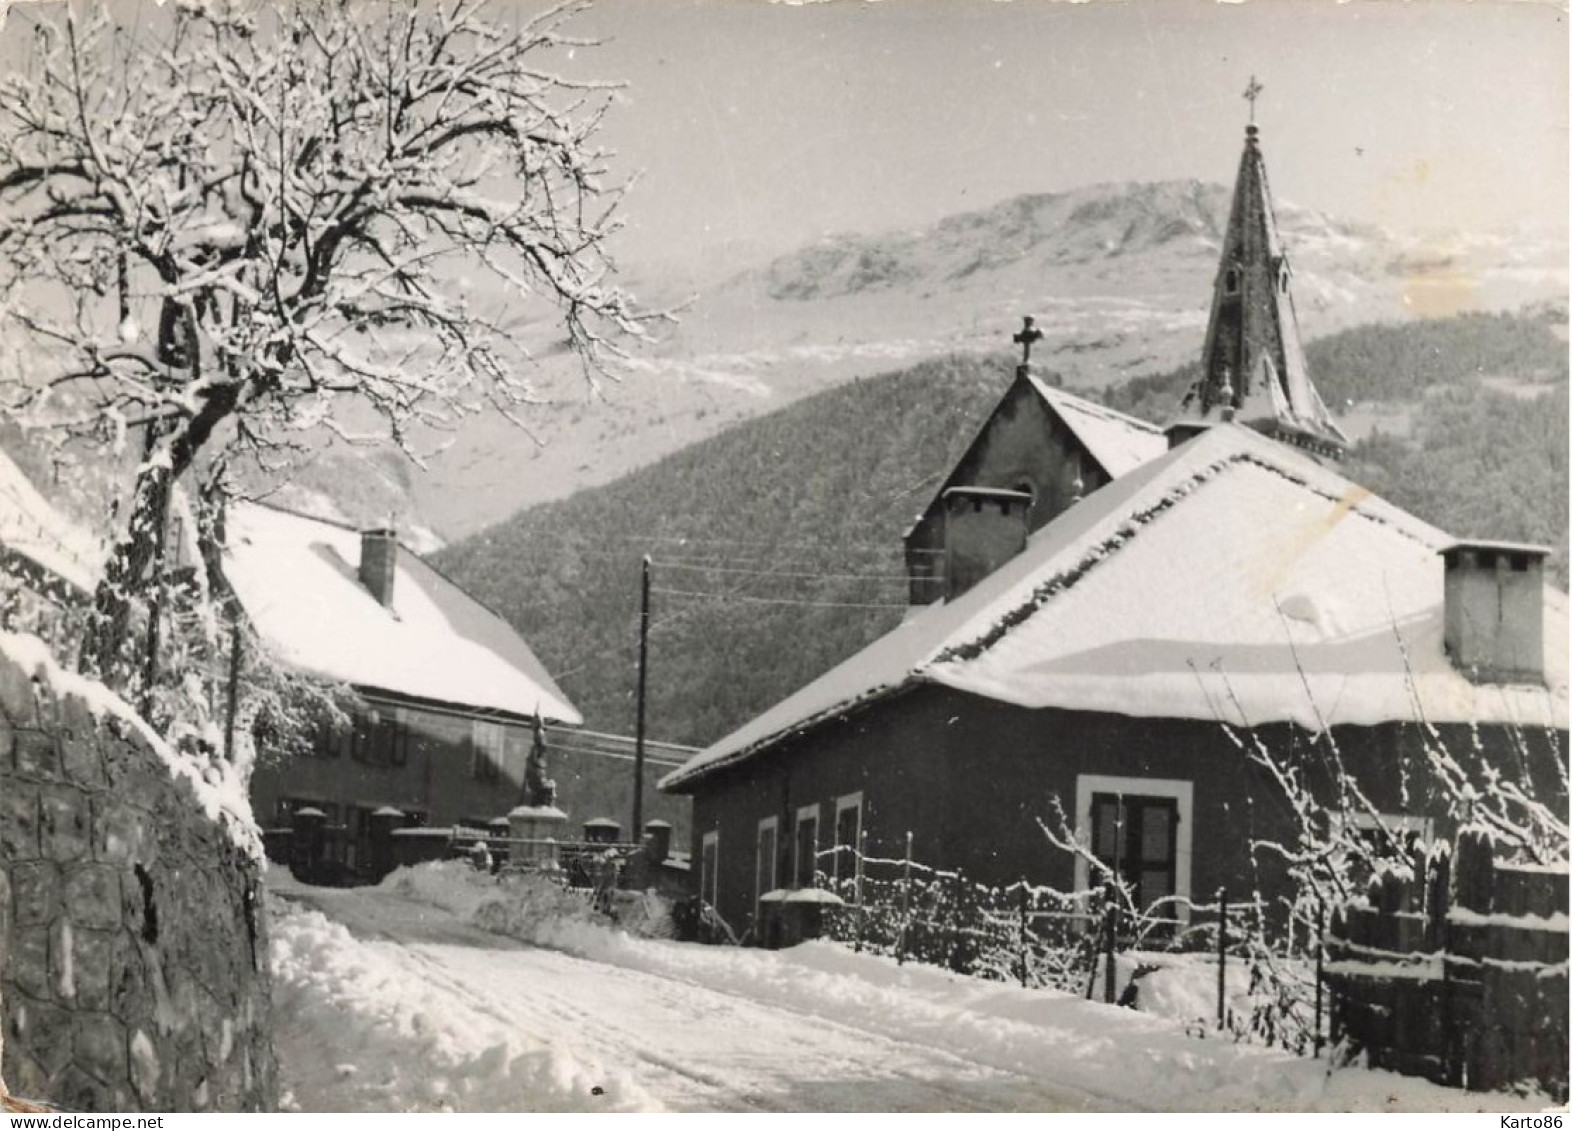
<point x="1494" y="615"/>
<point x="378" y="563"/>
<point x="983" y="528"/>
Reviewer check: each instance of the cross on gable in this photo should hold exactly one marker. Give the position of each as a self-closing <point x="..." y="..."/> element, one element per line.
<point x="1028" y="334"/>
<point x="1252" y="92"/>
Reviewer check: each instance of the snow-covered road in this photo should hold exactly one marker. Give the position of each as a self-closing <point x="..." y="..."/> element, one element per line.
<point x="687" y="1046"/>
<point x="447" y="990"/>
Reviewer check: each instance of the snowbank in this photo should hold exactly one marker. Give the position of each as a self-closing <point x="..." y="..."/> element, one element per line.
<point x="355" y="1034"/>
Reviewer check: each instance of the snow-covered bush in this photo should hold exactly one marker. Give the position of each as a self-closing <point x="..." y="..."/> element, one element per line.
<point x="1021" y="933"/>
<point x="529" y="905"/>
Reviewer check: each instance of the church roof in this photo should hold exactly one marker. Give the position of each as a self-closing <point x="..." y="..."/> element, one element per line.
<point x="1253" y="366"/>
<point x="1115" y="440"/>
<point x="296" y="577"/>
<point x="1233" y="579"/>
<point x="1119" y="442"/>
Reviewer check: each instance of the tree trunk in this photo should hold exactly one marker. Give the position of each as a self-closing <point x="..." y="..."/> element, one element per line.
<point x="106" y="651"/>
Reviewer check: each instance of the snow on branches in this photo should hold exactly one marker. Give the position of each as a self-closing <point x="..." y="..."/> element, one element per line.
<point x="221" y="222"/>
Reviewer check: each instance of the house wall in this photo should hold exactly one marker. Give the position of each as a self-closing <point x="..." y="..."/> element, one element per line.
<point x="890" y="752"/>
<point x="1023" y="446"/>
<point x="437" y="779"/>
<point x="972" y="777"/>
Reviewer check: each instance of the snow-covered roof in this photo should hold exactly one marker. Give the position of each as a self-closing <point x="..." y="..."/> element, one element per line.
<point x="1234" y="579"/>
<point x="30" y="526"/>
<point x="1120" y="443"/>
<point x="296" y="578"/>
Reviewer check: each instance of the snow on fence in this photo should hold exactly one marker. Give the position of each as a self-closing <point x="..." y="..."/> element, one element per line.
<point x="1458" y="972"/>
<point x="1077" y="942"/>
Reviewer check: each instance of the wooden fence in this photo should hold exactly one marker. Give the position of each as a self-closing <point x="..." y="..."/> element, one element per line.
<point x="1458" y="974"/>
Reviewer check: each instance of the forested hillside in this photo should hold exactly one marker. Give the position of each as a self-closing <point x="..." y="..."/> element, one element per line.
<point x="775" y="545"/>
<point x="1396" y="362"/>
<point x="1479" y="464"/>
<point x="775" y="550"/>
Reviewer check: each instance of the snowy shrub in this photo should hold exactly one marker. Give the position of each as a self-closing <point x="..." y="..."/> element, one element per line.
<point x="529" y="905"/>
<point x="1030" y="935"/>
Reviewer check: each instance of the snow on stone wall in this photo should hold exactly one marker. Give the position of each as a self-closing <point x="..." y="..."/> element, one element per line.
<point x="133" y="971"/>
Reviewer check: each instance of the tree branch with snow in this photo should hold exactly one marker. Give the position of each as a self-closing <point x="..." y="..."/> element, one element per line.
<point x="230" y="226"/>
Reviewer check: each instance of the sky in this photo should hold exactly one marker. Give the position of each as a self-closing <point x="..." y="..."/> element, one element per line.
<point x="759" y="126"/>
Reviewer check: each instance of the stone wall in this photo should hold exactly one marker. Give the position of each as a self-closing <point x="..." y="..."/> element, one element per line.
<point x="133" y="960"/>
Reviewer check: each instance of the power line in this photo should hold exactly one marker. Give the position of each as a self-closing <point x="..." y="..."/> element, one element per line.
<point x="650" y="758"/>
<point x="678" y="746"/>
<point x="901" y="577"/>
<point x="765" y="544"/>
<point x="748" y="599"/>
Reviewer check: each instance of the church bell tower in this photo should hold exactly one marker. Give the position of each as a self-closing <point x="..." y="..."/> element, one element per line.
<point x="1253" y="368"/>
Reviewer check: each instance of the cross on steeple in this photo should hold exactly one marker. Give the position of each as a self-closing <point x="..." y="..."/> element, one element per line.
<point x="1253" y="367"/>
<point x="1028" y="334"/>
<point x="1252" y="92"/>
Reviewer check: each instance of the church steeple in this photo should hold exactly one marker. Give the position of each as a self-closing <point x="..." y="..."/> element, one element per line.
<point x="1253" y="367"/>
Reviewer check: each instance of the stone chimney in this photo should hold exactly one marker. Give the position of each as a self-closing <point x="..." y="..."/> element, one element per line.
<point x="984" y="527"/>
<point x="379" y="563"/>
<point x="1495" y="617"/>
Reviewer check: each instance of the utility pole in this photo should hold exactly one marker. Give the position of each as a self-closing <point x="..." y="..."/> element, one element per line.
<point x="637" y="832"/>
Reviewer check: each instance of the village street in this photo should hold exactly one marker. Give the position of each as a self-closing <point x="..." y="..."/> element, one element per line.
<point x="659" y="1040"/>
<point x="411" y="997"/>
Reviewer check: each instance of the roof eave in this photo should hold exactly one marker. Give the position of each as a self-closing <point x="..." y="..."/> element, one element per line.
<point x="683" y="780"/>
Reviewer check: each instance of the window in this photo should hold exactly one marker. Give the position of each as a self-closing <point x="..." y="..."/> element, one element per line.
<point x="805" y="864"/>
<point x="709" y="866"/>
<point x="380" y="737"/>
<point x="1140" y="828"/>
<point x="848" y="835"/>
<point x="1231" y="281"/>
<point x="766" y="867"/>
<point x="326" y="740"/>
<point x="1135" y="838"/>
<point x="486" y="738"/>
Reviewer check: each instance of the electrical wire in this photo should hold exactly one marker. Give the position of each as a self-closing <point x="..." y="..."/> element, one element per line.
<point x="749" y="599"/>
<point x="901" y="577"/>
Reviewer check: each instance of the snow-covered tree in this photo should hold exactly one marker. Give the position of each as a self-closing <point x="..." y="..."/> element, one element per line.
<point x="230" y="226"/>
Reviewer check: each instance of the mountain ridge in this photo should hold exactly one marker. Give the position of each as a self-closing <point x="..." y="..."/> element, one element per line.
<point x="1118" y="276"/>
